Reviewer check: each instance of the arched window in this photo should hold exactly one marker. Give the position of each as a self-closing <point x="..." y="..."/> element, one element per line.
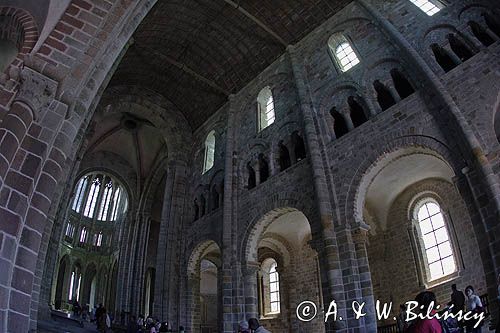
<point x="402" y="85"/>
<point x="265" y="108"/>
<point x="343" y="53"/>
<point x="459" y="48"/>
<point x="106" y="201"/>
<point x="98" y="239"/>
<point x="299" y="148"/>
<point x="339" y="124"/>
<point x="274" y="288"/>
<point x="252" y="179"/>
<point x="209" y="151"/>
<point x="92" y="198"/>
<point x="83" y="235"/>
<point x="443" y="58"/>
<point x="358" y="115"/>
<point x="79" y="194"/>
<point x="492" y="23"/>
<point x="196" y="208"/>
<point x="116" y="202"/>
<point x="480" y="33"/>
<point x="284" y="157"/>
<point x="263" y="168"/>
<point x="428" y="6"/>
<point x="384" y="97"/>
<point x="435" y="240"/>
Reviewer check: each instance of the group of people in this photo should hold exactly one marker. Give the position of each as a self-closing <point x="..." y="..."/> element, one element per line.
<point x="149" y="325"/>
<point x="252" y="325"/>
<point x="468" y="303"/>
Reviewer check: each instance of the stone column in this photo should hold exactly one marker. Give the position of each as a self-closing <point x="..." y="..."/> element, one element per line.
<point x="250" y="285"/>
<point x="229" y="228"/>
<point x="327" y="247"/>
<point x="167" y="279"/>
<point x="360" y="239"/>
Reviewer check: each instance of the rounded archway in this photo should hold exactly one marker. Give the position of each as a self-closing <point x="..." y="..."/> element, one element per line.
<point x="409" y="200"/>
<point x="205" y="304"/>
<point x="281" y="270"/>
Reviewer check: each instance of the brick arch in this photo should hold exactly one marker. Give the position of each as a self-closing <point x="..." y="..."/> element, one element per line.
<point x="354" y="199"/>
<point x="197" y="254"/>
<point x="21" y="29"/>
<point x="264" y="215"/>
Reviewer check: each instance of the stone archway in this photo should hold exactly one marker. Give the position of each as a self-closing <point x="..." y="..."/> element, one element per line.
<point x="204" y="288"/>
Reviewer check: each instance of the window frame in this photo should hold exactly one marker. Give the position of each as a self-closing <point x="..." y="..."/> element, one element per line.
<point x="273" y="271"/>
<point x="209" y="151"/>
<point x="263" y="111"/>
<point x="265" y="298"/>
<point x="436" y="3"/>
<point x="423" y="263"/>
<point x="334" y="41"/>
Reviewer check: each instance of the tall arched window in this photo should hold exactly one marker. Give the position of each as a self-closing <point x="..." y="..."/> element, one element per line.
<point x="435" y="240"/>
<point x="92" y="198"/>
<point x="106" y="201"/>
<point x="265" y="108"/>
<point x="209" y="151"/>
<point x="83" y="235"/>
<point x="274" y="289"/>
<point x="430" y="7"/>
<point x="343" y="53"/>
<point x="80" y="193"/>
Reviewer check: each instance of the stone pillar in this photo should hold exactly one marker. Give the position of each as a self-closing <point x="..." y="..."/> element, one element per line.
<point x="327" y="247"/>
<point x="137" y="284"/>
<point x="250" y="285"/>
<point x="360" y="239"/>
<point x="229" y="267"/>
<point x="167" y="279"/>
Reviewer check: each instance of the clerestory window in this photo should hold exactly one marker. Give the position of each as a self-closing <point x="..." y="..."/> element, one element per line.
<point x="99" y="196"/>
<point x="265" y="108"/>
<point x="427" y="6"/>
<point x="342" y="52"/>
<point x="209" y="152"/>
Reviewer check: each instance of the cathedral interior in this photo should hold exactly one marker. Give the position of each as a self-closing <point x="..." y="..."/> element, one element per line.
<point x="209" y="161"/>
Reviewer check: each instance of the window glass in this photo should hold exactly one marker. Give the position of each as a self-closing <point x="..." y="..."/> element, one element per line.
<point x="274" y="289"/>
<point x="265" y="110"/>
<point x="438" y="250"/>
<point x="209" y="151"/>
<point x="426" y="6"/>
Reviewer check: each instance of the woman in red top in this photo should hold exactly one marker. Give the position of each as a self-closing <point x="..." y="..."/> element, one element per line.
<point x="426" y="298"/>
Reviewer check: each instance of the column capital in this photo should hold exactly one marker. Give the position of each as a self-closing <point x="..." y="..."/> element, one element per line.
<point x="36" y="90"/>
<point x="250" y="267"/>
<point x="360" y="234"/>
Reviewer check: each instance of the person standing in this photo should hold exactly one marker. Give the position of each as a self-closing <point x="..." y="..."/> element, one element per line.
<point x="243" y="327"/>
<point x="457" y="299"/>
<point x="254" y="325"/>
<point x="473" y="305"/>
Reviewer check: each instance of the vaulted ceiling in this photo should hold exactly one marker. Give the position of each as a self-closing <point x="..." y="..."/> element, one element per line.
<point x="197" y="52"/>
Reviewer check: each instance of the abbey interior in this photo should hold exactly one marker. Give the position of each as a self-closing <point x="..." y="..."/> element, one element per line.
<point x="209" y="161"/>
